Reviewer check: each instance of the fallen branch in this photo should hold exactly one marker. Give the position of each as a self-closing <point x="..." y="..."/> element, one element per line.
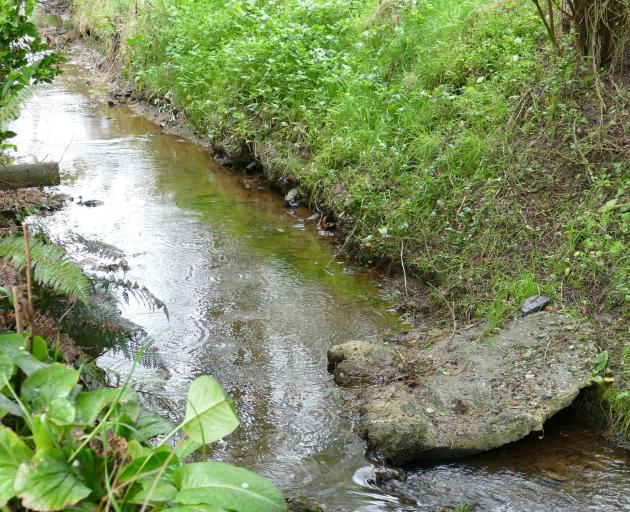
<point x="16" y="176"/>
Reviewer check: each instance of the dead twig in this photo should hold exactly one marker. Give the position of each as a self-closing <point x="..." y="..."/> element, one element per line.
<point x="18" y="310"/>
<point x="29" y="277"/>
<point x="402" y="263"/>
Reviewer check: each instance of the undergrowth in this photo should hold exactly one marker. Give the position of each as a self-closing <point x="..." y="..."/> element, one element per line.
<point x="447" y="136"/>
<point x="51" y="267"/>
<point x="66" y="447"/>
<point x="24" y="61"/>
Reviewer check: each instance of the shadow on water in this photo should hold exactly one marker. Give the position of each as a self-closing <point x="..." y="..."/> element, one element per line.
<point x="569" y="467"/>
<point x="256" y="300"/>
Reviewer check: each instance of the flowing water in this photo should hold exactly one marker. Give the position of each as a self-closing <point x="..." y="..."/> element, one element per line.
<point x="255" y="299"/>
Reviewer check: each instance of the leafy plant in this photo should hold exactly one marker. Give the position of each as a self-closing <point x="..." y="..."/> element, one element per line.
<point x="64" y="447"/>
<point x="24" y="59"/>
<point x="51" y="267"/>
<point x="601" y="362"/>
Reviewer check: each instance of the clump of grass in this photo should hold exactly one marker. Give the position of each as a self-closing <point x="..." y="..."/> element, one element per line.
<point x="509" y="292"/>
<point x="616" y="397"/>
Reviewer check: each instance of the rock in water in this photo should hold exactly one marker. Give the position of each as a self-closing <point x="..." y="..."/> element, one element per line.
<point x="302" y="504"/>
<point x="469" y="395"/>
<point x="534" y="304"/>
<point x="91" y="203"/>
<point x="292" y="198"/>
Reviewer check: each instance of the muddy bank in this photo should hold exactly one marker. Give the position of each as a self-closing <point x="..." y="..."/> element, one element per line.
<point x="424" y="399"/>
<point x="15" y="205"/>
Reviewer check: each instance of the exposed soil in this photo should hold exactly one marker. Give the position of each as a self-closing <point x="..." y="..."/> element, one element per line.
<point x="16" y="204"/>
<point x="43" y="324"/>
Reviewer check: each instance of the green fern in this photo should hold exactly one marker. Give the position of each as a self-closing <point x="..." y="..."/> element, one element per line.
<point x="51" y="267"/>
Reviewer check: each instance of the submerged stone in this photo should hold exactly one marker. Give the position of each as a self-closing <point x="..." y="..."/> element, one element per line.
<point x="291" y="198"/>
<point x="468" y="395"/>
<point x="302" y="504"/>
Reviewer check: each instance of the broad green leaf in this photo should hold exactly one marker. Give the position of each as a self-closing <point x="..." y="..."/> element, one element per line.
<point x="49" y="482"/>
<point x="601" y="361"/>
<point x="157" y="459"/>
<point x="150" y="424"/>
<point x="6" y="368"/>
<point x="194" y="508"/>
<point x="226" y="486"/>
<point x="61" y="411"/>
<point x="42" y="434"/>
<point x="8" y="406"/>
<point x="609" y="205"/>
<point x="135" y="450"/>
<point x="210" y="413"/>
<point x="12" y="453"/>
<point x="11" y="343"/>
<point x="91" y="469"/>
<point x="128" y="407"/>
<point x="27" y="363"/>
<point x="46" y="384"/>
<point x="157" y="493"/>
<point x="40" y="348"/>
<point x="13" y="347"/>
<point x="90" y="404"/>
<point x="185" y="447"/>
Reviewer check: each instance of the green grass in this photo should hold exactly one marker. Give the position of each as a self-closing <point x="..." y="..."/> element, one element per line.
<point x="446" y="130"/>
<point x="616" y="397"/>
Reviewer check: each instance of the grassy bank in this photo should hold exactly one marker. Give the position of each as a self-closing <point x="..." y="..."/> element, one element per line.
<point x="447" y="137"/>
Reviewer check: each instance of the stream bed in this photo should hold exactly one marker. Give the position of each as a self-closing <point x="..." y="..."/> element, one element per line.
<point x="256" y="297"/>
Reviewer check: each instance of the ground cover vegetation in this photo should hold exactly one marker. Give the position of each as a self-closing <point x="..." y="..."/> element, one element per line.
<point x="65" y="447"/>
<point x="481" y="147"/>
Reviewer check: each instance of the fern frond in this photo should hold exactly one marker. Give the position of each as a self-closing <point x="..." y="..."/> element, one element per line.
<point x="11" y="108"/>
<point x="128" y="289"/>
<point x="51" y="267"/>
<point x="100" y="249"/>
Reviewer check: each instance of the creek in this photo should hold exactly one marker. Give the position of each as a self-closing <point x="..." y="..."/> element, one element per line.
<point x="256" y="297"/>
